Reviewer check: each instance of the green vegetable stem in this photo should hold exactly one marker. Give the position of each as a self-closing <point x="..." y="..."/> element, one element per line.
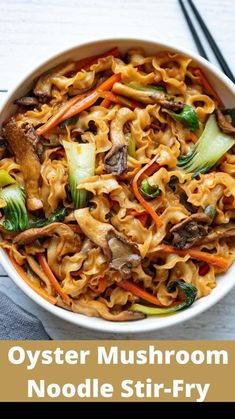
<point x="189" y="291"/>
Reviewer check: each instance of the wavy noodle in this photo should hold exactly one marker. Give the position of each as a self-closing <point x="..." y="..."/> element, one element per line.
<point x="54" y="179"/>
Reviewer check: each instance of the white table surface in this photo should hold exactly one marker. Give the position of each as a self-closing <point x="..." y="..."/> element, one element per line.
<point x="32" y="30"/>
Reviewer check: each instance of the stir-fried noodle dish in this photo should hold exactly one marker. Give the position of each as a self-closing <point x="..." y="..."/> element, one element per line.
<point x="117" y="185"/>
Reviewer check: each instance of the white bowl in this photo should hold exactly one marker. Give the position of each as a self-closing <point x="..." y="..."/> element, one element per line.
<point x="226" y="90"/>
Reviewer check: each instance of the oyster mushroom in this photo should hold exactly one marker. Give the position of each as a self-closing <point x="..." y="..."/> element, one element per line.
<point x="22" y="141"/>
<point x="44" y="84"/>
<point x="122" y="254"/>
<point x="224" y="123"/>
<point x="116" y="158"/>
<point x="224" y="231"/>
<point x="69" y="241"/>
<point x="190" y="231"/>
<point x="26" y="102"/>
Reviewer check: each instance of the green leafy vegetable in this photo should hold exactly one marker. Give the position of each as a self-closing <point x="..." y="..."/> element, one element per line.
<point x="130" y="144"/>
<point x="173" y="182"/>
<point x="5" y="178"/>
<point x="189" y="291"/>
<point x="187" y="116"/>
<point x="81" y="162"/>
<point x="210" y="211"/>
<point x="149" y="191"/>
<point x="56" y="217"/>
<point x="15" y="210"/>
<point x="210" y="147"/>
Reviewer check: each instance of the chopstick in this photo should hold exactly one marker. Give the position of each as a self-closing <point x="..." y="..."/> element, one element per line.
<point x="196" y="38"/>
<point x="208" y="36"/>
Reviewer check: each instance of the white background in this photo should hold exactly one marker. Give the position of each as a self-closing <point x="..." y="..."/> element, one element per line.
<point x="32" y="30"/>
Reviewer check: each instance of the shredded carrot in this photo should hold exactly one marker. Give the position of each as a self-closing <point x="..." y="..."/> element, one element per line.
<point x="151" y="169"/>
<point x="106" y="103"/>
<point x="28" y="281"/>
<point x="78" y="104"/>
<point x="57" y="118"/>
<point x="47" y="270"/>
<point x="101" y="286"/>
<point x="219" y="261"/>
<point x="139" y="292"/>
<point x="146" y="169"/>
<point x="206" y="84"/>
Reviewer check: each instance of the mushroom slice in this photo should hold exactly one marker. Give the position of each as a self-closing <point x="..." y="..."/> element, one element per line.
<point x="189" y="232"/>
<point x="22" y="141"/>
<point x="224" y="124"/>
<point x="122" y="254"/>
<point x="26" y="102"/>
<point x="69" y="241"/>
<point x="116" y="158"/>
<point x="44" y="84"/>
<point x="225" y="231"/>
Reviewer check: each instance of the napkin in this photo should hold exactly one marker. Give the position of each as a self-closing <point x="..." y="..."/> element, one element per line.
<point x="18" y="324"/>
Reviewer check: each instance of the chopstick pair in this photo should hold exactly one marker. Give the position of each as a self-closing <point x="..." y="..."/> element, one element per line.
<point x="208" y="36"/>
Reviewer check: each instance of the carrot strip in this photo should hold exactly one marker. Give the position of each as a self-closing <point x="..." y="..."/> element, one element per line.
<point x="101" y="286"/>
<point x="54" y="120"/>
<point x="81" y="105"/>
<point x="25" y="277"/>
<point x="47" y="270"/>
<point x="146" y="169"/>
<point x="78" y="104"/>
<point x="206" y="84"/>
<point x="106" y="103"/>
<point x="218" y="261"/>
<point x="139" y="292"/>
<point x="151" y="169"/>
<point x="92" y="97"/>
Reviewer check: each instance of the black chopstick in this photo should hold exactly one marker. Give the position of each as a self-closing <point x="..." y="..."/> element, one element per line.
<point x="212" y="43"/>
<point x="196" y="38"/>
<point x="208" y="36"/>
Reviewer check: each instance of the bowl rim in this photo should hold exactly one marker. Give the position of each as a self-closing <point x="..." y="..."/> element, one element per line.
<point x="94" y="323"/>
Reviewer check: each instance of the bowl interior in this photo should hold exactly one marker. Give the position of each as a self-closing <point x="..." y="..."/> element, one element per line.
<point x="225" y="282"/>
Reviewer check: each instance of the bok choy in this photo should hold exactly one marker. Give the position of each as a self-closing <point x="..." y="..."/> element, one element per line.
<point x="81" y="163"/>
<point x="188" y="290"/>
<point x="187" y="116"/>
<point x="210" y="147"/>
<point x="14" y="210"/>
